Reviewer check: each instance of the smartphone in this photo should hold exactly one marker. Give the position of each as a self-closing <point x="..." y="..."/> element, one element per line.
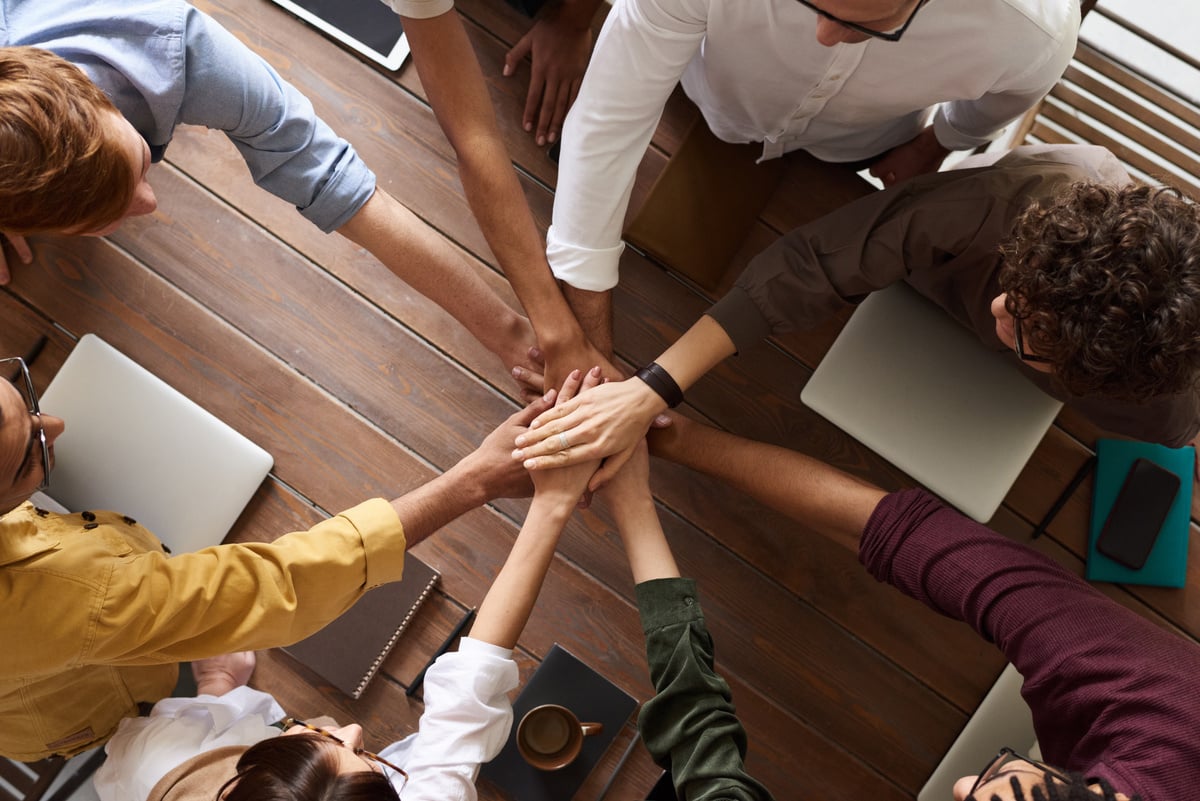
<point x="1136" y="516"/>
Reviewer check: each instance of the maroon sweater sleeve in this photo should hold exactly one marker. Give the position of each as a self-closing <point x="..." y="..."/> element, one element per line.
<point x="1112" y="694"/>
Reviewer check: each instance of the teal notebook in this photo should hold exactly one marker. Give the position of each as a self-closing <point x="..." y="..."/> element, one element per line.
<point x="1167" y="564"/>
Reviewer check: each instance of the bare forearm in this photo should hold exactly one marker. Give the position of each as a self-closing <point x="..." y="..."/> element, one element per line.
<point x="646" y="545"/>
<point x="593" y="310"/>
<point x="437" y="503"/>
<point x="702" y="347"/>
<point x="799" y="486"/>
<point x="511" y="598"/>
<point x="428" y="263"/>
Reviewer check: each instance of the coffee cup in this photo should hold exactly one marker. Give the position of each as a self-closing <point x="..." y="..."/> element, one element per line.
<point x="550" y="737"/>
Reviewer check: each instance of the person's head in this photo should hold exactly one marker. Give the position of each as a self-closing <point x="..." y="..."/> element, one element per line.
<point x="1013" y="777"/>
<point x="24" y="462"/>
<point x="1104" y="285"/>
<point x="310" y="764"/>
<point x="69" y="162"/>
<point x="853" y="21"/>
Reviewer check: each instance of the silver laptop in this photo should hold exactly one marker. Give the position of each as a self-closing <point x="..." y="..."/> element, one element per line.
<point x="135" y="445"/>
<point x="1002" y="720"/>
<point x="920" y="390"/>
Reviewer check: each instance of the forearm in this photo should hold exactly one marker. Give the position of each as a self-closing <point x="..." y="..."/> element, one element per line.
<point x="832" y="502"/>
<point x="641" y="532"/>
<point x="454" y="83"/>
<point x="436" y="503"/>
<point x="690" y="726"/>
<point x="511" y="598"/>
<point x="428" y="263"/>
<point x="593" y="310"/>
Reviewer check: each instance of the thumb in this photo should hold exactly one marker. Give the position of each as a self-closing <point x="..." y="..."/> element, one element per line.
<point x="517" y="53"/>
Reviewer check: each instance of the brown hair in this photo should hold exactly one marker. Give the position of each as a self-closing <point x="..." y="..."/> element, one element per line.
<point x="1105" y="282"/>
<point x="60" y="167"/>
<point x="301" y="767"/>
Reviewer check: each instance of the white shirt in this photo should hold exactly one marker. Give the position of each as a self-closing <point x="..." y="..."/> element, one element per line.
<point x="420" y="9"/>
<point x="757" y="73"/>
<point x="466" y="722"/>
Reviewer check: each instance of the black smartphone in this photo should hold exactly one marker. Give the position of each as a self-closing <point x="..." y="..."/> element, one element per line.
<point x="1136" y="516"/>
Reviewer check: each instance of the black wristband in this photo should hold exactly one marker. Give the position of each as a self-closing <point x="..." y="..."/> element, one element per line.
<point x="661" y="382"/>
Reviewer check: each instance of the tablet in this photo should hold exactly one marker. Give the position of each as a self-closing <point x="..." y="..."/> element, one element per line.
<point x="366" y="26"/>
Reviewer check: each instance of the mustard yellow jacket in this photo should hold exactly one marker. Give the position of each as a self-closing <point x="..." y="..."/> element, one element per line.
<point x="94" y="615"/>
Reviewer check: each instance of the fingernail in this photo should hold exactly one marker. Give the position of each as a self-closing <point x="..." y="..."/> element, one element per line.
<point x="507" y="70"/>
<point x="535" y="353"/>
<point x="528" y="127"/>
<point x="553" y="137"/>
<point x="530" y="464"/>
<point x="549" y="396"/>
<point x="595" y="371"/>
<point x="518" y="454"/>
<point x="516" y="373"/>
<point x="575" y="374"/>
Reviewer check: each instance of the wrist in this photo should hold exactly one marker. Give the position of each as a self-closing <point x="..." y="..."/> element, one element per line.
<point x="661" y="383"/>
<point x="552" y="507"/>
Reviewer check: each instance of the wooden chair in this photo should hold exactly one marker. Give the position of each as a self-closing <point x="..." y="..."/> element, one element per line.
<point x="30" y="781"/>
<point x="1106" y="99"/>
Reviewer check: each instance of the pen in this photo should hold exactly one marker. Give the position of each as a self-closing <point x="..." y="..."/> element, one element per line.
<point x="443" y="648"/>
<point x="620" y="764"/>
<point x="1083" y="472"/>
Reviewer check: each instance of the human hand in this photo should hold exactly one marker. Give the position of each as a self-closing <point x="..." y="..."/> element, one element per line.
<point x="560" y="47"/>
<point x="23" y="253"/>
<point x="491" y="467"/>
<point x="609" y="421"/>
<point x="566" y="484"/>
<point x="519" y="352"/>
<point x="552" y="366"/>
<point x="217" y="675"/>
<point x="921" y="154"/>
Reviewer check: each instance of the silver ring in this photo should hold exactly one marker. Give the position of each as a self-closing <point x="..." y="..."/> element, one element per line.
<point x="563" y="442"/>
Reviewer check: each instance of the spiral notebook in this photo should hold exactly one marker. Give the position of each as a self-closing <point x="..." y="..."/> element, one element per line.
<point x="347" y="653"/>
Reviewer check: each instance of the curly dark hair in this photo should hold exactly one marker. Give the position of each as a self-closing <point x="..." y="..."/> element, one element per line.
<point x="1069" y="787"/>
<point x="1105" y="281"/>
<point x="300" y="767"/>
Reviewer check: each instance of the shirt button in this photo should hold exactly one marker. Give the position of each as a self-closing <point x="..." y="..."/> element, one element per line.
<point x="688" y="600"/>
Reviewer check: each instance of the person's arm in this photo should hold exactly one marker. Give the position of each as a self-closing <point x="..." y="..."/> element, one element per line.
<point x="454" y="83"/>
<point x="967" y="124"/>
<point x="640" y="55"/>
<point x="559" y="43"/>
<point x="690" y="726"/>
<point x="799" y="281"/>
<point x="295" y="155"/>
<point x="249" y="596"/>
<point x="426" y="261"/>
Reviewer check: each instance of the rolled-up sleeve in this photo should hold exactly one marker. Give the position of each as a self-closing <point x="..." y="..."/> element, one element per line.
<point x="608" y="129"/>
<point x="290" y="151"/>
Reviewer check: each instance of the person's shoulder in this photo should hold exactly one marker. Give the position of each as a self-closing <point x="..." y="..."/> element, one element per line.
<point x="1055" y="18"/>
<point x="1075" y="162"/>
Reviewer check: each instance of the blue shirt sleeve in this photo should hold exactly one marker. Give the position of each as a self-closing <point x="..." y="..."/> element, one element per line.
<point x="290" y="151"/>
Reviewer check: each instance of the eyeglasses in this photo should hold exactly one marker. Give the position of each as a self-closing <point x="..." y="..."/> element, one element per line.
<point x="31" y="402"/>
<point x="1006" y="756"/>
<point x="362" y="752"/>
<point x="887" y="36"/>
<point x="1019" y="345"/>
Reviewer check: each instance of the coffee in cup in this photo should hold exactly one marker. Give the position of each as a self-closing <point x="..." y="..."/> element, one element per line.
<point x="550" y="737"/>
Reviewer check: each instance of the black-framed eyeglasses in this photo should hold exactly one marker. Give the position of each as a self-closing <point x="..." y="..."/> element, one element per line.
<point x="288" y="723"/>
<point x="887" y="36"/>
<point x="1019" y="345"/>
<point x="1006" y="756"/>
<point x="31" y="402"/>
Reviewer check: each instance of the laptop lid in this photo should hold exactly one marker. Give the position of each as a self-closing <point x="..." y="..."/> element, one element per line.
<point x="1002" y="720"/>
<point x="137" y="446"/>
<point x="368" y="27"/>
<point x="920" y="390"/>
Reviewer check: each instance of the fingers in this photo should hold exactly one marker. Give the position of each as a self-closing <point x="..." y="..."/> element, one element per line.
<point x="533" y="99"/>
<point x="570" y="387"/>
<point x="518" y="52"/>
<point x="612" y="465"/>
<point x="543" y="403"/>
<point x="530" y="383"/>
<point x="550" y="111"/>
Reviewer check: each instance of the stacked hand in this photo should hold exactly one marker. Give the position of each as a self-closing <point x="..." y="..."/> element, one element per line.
<point x="23" y="253"/>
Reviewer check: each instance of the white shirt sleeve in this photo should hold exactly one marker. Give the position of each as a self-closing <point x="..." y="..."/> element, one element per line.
<point x="965" y="124"/>
<point x="466" y="722"/>
<point x="143" y="750"/>
<point x="420" y="9"/>
<point x="640" y="55"/>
